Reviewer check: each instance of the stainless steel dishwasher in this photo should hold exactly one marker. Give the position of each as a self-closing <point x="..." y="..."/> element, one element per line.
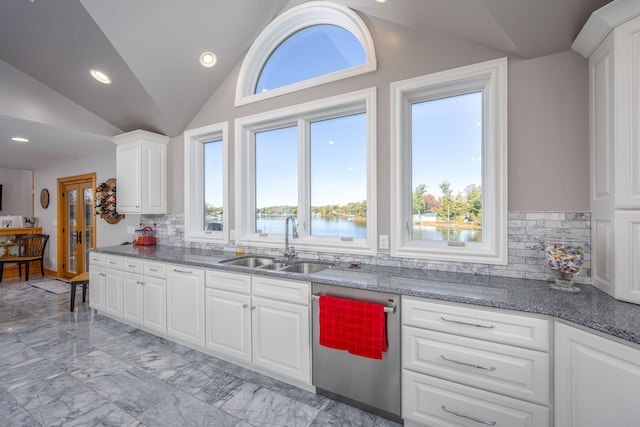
<point x="370" y="384"/>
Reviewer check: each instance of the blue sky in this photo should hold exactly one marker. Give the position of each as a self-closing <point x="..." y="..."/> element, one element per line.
<point x="447" y="142"/>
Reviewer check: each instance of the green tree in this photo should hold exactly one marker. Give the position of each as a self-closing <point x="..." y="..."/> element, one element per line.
<point x="473" y="195"/>
<point x="418" y="199"/>
<point x="450" y="207"/>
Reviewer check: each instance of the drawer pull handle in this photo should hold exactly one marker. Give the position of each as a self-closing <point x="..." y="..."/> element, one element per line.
<point x="471" y="365"/>
<point x="153" y="269"/>
<point x="182" y="271"/>
<point x="458" y="322"/>
<point x="467" y="417"/>
<point x="131" y="265"/>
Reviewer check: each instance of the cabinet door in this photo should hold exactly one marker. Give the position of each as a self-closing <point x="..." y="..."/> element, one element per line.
<point x="113" y="292"/>
<point x="155" y="304"/>
<point x="185" y="304"/>
<point x="154" y="178"/>
<point x="281" y="338"/>
<point x="96" y="279"/>
<point x="627" y="254"/>
<point x="132" y="290"/>
<point x="597" y="380"/>
<point x="129" y="177"/>
<point x="228" y="323"/>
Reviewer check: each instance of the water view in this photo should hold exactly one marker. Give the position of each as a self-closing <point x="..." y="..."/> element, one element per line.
<point x="347" y="228"/>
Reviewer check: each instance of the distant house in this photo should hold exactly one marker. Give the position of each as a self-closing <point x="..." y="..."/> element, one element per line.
<point x="426" y="217"/>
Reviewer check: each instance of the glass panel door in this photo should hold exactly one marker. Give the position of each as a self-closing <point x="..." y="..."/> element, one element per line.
<point x="78" y="227"/>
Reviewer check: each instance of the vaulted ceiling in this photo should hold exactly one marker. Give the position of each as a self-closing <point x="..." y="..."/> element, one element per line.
<point x="150" y="50"/>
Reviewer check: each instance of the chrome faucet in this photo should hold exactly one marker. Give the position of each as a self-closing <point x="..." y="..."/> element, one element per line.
<point x="290" y="251"/>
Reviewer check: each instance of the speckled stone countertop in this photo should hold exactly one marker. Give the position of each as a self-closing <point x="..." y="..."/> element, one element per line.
<point x="590" y="307"/>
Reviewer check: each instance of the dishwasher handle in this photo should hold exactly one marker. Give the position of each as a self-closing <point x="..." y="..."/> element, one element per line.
<point x="390" y="310"/>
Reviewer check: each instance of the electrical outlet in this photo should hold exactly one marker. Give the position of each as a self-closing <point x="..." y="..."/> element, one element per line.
<point x="383" y="241"/>
<point x="131" y="229"/>
<point x="232" y="234"/>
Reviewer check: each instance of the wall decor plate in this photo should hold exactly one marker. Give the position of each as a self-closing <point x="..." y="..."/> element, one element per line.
<point x="44" y="198"/>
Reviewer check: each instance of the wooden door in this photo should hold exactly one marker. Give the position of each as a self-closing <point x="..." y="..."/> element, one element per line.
<point x="76" y="218"/>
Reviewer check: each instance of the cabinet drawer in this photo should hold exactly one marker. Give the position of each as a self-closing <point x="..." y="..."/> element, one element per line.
<point x="439" y="403"/>
<point x="132" y="265"/>
<point x="114" y="262"/>
<point x="155" y="269"/>
<point x="513" y="371"/>
<point x="494" y="326"/>
<point x="96" y="259"/>
<point x="281" y="290"/>
<point x="233" y="282"/>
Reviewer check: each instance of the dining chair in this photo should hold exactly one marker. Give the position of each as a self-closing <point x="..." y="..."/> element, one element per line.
<point x="30" y="249"/>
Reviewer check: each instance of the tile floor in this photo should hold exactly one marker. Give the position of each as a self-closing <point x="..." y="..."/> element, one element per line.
<point x="83" y="369"/>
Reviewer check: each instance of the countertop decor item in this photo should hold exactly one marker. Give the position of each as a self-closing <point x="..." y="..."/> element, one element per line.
<point x="106" y="202"/>
<point x="564" y="256"/>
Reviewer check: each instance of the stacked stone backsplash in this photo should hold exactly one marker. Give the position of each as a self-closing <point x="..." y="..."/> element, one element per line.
<point x="527" y="233"/>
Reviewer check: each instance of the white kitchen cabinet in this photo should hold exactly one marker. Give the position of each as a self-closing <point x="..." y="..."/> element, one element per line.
<point x="185" y="304"/>
<point x="144" y="289"/>
<point x="468" y="366"/>
<point x="133" y="298"/>
<point x="228" y="323"/>
<point x="96" y="279"/>
<point x="614" y="78"/>
<point x="141" y="172"/>
<point x="113" y="298"/>
<point x="597" y="380"/>
<point x="262" y="321"/>
<point x="155" y="296"/>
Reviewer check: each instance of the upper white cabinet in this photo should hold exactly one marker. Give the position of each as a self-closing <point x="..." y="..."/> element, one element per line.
<point x="141" y="172"/>
<point x="597" y="380"/>
<point x="611" y="41"/>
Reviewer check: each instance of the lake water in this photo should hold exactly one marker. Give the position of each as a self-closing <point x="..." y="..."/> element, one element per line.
<point x="346" y="228"/>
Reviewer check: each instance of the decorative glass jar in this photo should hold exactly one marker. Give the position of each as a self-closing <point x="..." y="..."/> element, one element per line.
<point x="564" y="256"/>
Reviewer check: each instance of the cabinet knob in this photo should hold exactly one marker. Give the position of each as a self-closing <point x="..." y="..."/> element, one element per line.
<point x="244" y="305"/>
<point x="253" y="307"/>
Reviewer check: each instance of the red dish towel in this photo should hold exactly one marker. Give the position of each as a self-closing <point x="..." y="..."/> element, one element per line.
<point x="356" y="326"/>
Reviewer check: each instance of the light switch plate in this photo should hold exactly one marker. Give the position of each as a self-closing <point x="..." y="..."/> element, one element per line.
<point x="383" y="241"/>
<point x="131" y="229"/>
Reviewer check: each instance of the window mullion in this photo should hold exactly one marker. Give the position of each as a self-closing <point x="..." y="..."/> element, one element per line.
<point x="304" y="177"/>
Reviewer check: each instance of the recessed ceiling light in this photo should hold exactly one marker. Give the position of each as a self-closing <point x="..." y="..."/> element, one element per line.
<point x="381" y="1"/>
<point x="100" y="76"/>
<point x="208" y="59"/>
<point x="19" y="139"/>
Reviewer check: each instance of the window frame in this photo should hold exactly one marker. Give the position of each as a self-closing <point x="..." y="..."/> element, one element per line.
<point x="491" y="77"/>
<point x="301" y="115"/>
<point x="290" y="22"/>
<point x="194" y="140"/>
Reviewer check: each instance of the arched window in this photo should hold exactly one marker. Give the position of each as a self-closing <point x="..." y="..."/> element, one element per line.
<point x="308" y="45"/>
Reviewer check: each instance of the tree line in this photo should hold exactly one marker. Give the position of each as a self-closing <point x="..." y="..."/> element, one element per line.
<point x="463" y="206"/>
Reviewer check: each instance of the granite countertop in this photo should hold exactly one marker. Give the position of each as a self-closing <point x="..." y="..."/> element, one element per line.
<point x="590" y="307"/>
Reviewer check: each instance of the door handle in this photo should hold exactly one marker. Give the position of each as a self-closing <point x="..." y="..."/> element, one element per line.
<point x="79" y="237"/>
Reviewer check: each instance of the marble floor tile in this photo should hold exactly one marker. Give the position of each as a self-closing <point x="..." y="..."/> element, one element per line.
<point x="83" y="369"/>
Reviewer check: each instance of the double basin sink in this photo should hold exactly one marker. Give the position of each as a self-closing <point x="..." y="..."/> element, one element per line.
<point x="271" y="264"/>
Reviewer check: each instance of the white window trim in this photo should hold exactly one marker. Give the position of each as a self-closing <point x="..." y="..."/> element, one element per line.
<point x="493" y="76"/>
<point x="194" y="141"/>
<point x="245" y="130"/>
<point x="285" y="25"/>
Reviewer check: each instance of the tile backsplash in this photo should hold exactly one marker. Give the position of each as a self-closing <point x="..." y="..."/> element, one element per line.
<point x="527" y="232"/>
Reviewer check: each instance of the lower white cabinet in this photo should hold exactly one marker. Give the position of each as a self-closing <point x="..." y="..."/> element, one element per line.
<point x="113" y="298"/>
<point x="185" y="304"/>
<point x="228" y="323"/>
<point x="597" y="380"/>
<point x="96" y="278"/>
<point x="429" y="401"/>
<point x="145" y="294"/>
<point x="262" y="321"/>
<point x="463" y="366"/>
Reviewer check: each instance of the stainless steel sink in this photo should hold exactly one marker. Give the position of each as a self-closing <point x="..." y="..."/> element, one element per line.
<point x="305" y="268"/>
<point x="273" y="266"/>
<point x="249" y="262"/>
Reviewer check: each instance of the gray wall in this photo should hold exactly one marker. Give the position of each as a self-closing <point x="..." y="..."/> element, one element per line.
<point x="16" y="192"/>
<point x="548" y="116"/>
